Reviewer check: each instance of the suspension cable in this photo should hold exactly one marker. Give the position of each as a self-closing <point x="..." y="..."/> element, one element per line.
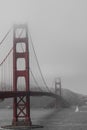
<point x="10" y="49"/>
<point x="35" y="80"/>
<point x="32" y="72"/>
<point x="22" y="47"/>
<point x="5" y="36"/>
<point x="6" y="56"/>
<point x="38" y="63"/>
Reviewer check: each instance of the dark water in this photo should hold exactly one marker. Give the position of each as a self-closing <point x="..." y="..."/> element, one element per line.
<point x="65" y="119"/>
<point x="38" y="116"/>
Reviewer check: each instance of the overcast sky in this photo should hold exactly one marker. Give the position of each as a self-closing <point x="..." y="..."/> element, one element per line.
<point x="59" y="33"/>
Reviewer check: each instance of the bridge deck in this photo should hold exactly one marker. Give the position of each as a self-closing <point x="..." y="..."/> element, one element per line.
<point x="10" y="94"/>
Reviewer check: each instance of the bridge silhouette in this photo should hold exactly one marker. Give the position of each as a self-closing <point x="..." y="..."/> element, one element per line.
<point x="16" y="75"/>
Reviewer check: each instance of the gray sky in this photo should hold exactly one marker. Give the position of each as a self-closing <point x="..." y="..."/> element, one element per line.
<point x="59" y="33"/>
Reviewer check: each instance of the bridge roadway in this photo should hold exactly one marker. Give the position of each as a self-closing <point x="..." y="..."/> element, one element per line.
<point x="11" y="94"/>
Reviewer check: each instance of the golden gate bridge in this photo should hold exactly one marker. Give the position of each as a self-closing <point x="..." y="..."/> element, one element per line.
<point x="20" y="74"/>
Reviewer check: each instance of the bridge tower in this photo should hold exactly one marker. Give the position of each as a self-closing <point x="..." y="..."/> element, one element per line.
<point x="57" y="90"/>
<point x="58" y="86"/>
<point x="21" y="105"/>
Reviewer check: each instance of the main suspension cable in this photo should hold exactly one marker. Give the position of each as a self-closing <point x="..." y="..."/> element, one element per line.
<point x="38" y="63"/>
<point x="6" y="56"/>
<point x="35" y="80"/>
<point x="10" y="49"/>
<point x="5" y="36"/>
<point x="32" y="72"/>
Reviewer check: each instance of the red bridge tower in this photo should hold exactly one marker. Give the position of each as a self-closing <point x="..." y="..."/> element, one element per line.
<point x="21" y="105"/>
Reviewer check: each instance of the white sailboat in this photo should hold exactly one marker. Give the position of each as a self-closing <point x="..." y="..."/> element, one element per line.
<point x="77" y="109"/>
